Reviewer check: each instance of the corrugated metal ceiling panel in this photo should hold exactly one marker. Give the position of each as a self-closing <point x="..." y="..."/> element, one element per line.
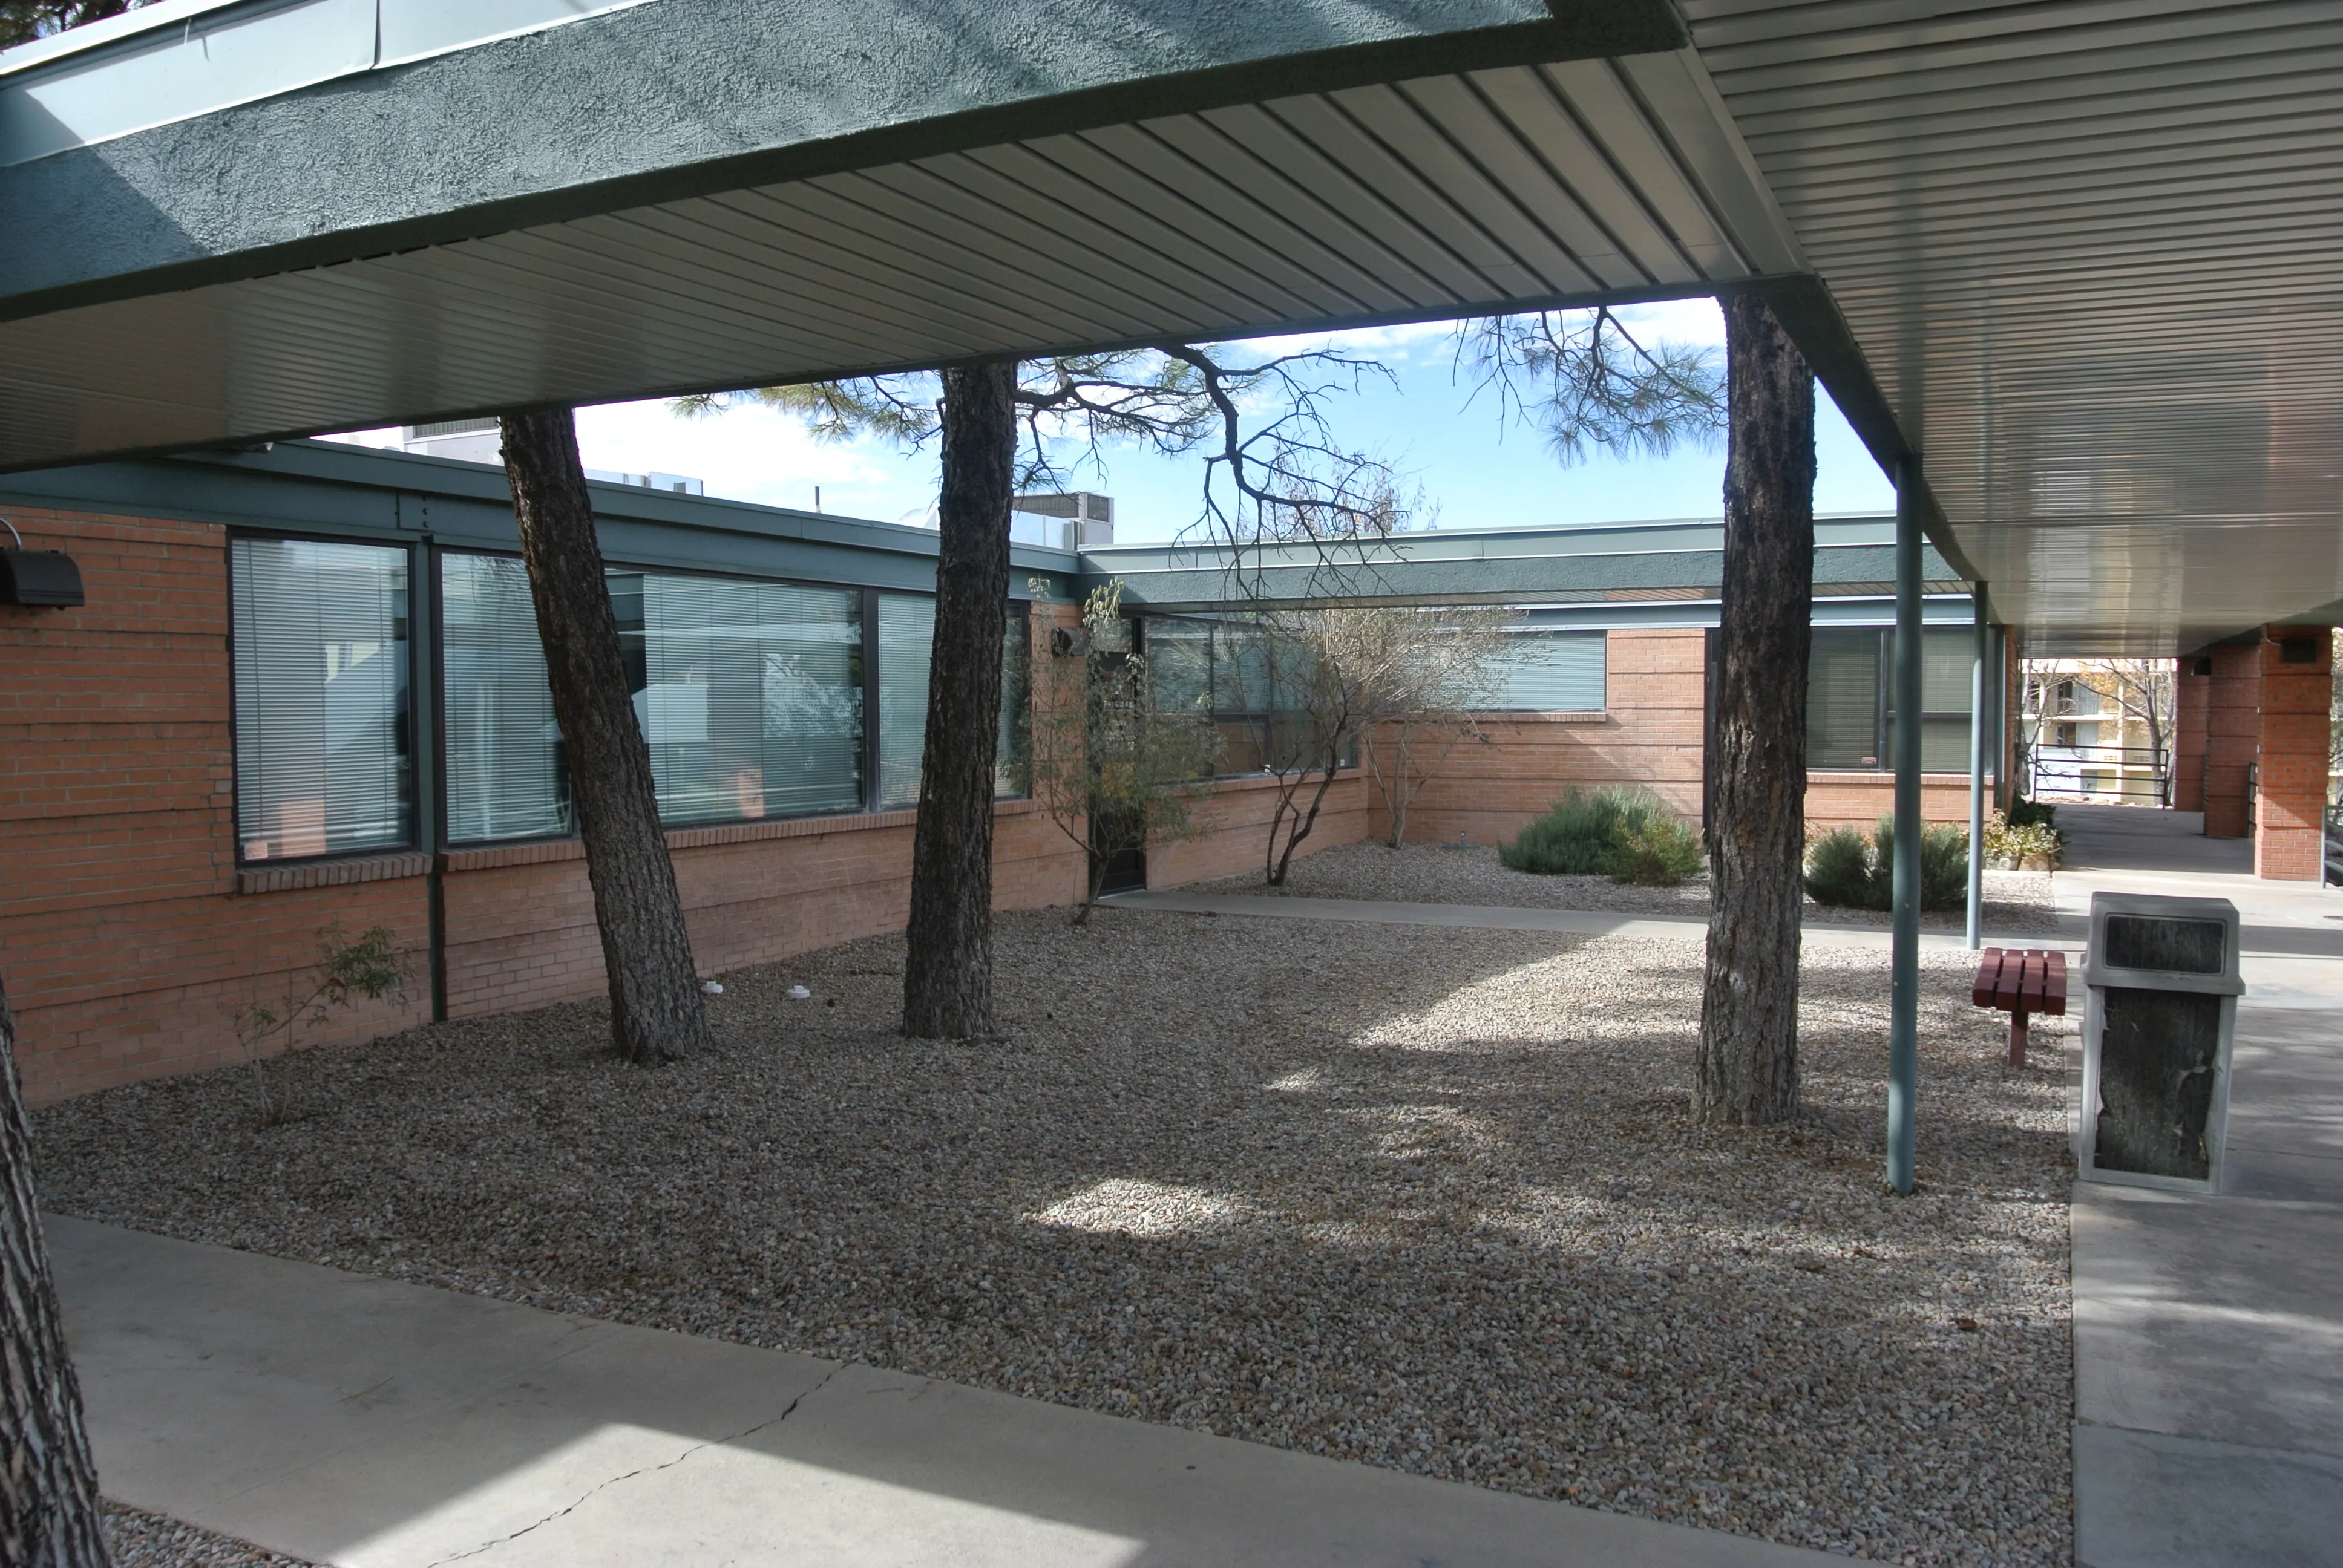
<point x="2086" y="249"/>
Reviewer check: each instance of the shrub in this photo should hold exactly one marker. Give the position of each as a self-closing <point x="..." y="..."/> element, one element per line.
<point x="2009" y="843"/>
<point x="1623" y="833"/>
<point x="1845" y="869"/>
<point x="2025" y="813"/>
<point x="1660" y="853"/>
<point x="1839" y="870"/>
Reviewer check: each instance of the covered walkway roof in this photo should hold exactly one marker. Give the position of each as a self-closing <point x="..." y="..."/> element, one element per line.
<point x="2078" y="254"/>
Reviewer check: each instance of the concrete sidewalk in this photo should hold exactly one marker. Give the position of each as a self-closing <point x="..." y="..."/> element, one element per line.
<point x="2208" y="1331"/>
<point x="361" y="1422"/>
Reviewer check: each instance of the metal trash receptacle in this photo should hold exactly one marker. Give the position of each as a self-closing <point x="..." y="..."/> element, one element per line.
<point x="2159" y="1022"/>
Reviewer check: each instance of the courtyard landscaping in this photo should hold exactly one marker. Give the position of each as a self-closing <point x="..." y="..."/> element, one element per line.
<point x="1418" y="1196"/>
<point x="2016" y="902"/>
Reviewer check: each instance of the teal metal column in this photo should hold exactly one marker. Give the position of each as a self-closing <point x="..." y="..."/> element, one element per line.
<point x="1976" y="772"/>
<point x="1904" y="1004"/>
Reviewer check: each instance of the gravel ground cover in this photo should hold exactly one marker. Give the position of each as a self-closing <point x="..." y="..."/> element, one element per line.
<point x="2017" y="903"/>
<point x="143" y="1540"/>
<point x="1423" y="1198"/>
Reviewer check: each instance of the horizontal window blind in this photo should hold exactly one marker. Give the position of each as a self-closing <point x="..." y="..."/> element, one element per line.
<point x="322" y="763"/>
<point x="751" y="697"/>
<point x="906" y="636"/>
<point x="505" y="777"/>
<point x="1550" y="672"/>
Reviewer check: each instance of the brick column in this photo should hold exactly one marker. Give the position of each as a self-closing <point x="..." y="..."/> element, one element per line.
<point x="2290" y="822"/>
<point x="2191" y="689"/>
<point x="2233" y="732"/>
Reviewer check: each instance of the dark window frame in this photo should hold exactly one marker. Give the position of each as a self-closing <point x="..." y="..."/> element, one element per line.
<point x="419" y="834"/>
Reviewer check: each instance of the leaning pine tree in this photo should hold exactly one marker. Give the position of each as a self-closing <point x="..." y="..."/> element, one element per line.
<point x="1748" y="1056"/>
<point x="49" y="1515"/>
<point x="656" y="1013"/>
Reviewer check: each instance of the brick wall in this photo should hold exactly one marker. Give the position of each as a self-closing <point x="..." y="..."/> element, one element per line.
<point x="2232" y="736"/>
<point x="1652" y="734"/>
<point x="1232" y="829"/>
<point x="129" y="941"/>
<point x="2290" y="818"/>
<point x="2190" y="691"/>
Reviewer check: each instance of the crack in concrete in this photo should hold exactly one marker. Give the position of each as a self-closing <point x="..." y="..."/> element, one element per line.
<point x="601" y="1486"/>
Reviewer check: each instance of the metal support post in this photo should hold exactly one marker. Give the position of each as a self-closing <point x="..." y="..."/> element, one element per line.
<point x="1977" y="772"/>
<point x="1904" y="1004"/>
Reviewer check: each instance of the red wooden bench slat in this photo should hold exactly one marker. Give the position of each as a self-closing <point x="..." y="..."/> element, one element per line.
<point x="1989" y="977"/>
<point x="2056" y="1002"/>
<point x="2037" y="973"/>
<point x="2007" y="994"/>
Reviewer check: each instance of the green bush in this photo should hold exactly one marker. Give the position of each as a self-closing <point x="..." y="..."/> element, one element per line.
<point x="2008" y="843"/>
<point x="1660" y="853"/>
<point x="1846" y="869"/>
<point x="1623" y="833"/>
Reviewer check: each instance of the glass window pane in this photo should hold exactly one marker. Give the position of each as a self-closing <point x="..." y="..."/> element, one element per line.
<point x="1943" y="743"/>
<point x="1843" y="700"/>
<point x="505" y="778"/>
<point x="1550" y="672"/>
<point x="1179" y="665"/>
<point x="321" y="751"/>
<point x="1946" y="654"/>
<point x="751" y="697"/>
<point x="906" y="636"/>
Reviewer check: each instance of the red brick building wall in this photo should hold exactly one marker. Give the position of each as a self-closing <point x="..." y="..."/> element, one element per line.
<point x="1233" y="836"/>
<point x="2289" y="817"/>
<point x="1652" y="734"/>
<point x="2190" y="694"/>
<point x="2233" y="735"/>
<point x="130" y="940"/>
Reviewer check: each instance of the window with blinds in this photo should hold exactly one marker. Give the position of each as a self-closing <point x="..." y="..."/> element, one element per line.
<point x="907" y="635"/>
<point x="1851" y="699"/>
<point x="322" y="759"/>
<point x="1550" y="672"/>
<point x="505" y="773"/>
<point x="749" y="694"/>
<point x="1252" y="683"/>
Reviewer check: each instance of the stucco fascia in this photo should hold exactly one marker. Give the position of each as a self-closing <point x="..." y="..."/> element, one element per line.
<point x="682" y="98"/>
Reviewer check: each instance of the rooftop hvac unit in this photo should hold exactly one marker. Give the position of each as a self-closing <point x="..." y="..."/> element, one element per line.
<point x="1088" y="518"/>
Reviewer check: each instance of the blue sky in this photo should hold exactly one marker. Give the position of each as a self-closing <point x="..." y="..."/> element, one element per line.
<point x="1474" y="471"/>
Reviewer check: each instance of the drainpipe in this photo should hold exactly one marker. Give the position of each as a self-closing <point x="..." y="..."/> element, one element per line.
<point x="1976" y="772"/>
<point x="1904" y="1005"/>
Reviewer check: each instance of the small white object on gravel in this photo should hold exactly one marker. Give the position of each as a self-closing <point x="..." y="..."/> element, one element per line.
<point x="799" y="994"/>
<point x="1419" y="1197"/>
<point x="2017" y="903"/>
<point x="712" y="987"/>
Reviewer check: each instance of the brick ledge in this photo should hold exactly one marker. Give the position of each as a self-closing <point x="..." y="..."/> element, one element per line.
<point x="330" y="873"/>
<point x="544" y="851"/>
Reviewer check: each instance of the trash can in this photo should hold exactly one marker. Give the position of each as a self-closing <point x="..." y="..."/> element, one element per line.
<point x="2159" y="1021"/>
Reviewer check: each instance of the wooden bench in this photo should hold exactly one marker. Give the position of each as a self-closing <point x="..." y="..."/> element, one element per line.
<point x="2021" y="981"/>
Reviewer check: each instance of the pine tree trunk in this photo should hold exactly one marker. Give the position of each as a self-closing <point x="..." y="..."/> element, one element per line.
<point x="656" y="1014"/>
<point x="49" y="1513"/>
<point x="948" y="967"/>
<point x="1748" y="1059"/>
